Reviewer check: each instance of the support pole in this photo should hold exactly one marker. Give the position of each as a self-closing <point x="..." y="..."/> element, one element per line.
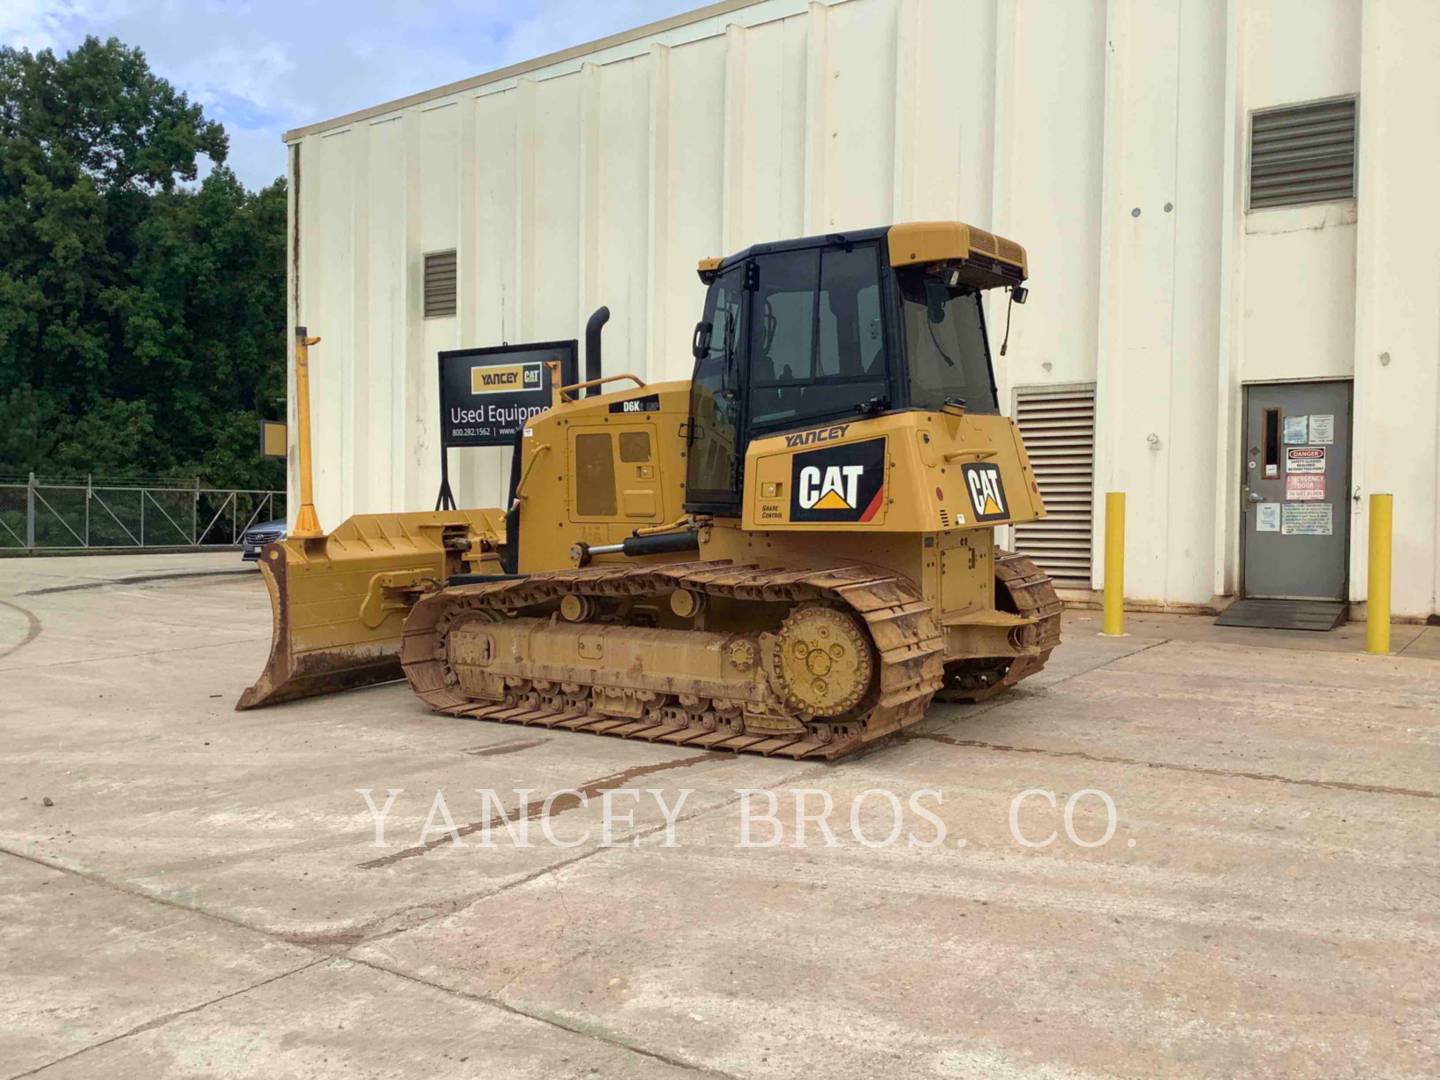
<point x="307" y="524"/>
<point x="1114" y="622"/>
<point x="1377" y="599"/>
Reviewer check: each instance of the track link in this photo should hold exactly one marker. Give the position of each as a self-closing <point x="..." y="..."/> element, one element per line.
<point x="908" y="645"/>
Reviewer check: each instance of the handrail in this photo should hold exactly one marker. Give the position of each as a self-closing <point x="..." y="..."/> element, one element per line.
<point x="529" y="468"/>
<point x="601" y="382"/>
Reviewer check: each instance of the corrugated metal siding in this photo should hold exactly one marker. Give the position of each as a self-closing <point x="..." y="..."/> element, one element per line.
<point x="440" y="284"/>
<point x="1058" y="426"/>
<point x="602" y="179"/>
<point x="1303" y="153"/>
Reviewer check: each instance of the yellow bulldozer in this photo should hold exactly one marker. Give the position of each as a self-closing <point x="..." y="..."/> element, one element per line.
<point x="790" y="554"/>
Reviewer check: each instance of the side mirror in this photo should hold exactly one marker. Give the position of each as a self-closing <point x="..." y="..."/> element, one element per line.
<point x="1019" y="294"/>
<point x="700" y="343"/>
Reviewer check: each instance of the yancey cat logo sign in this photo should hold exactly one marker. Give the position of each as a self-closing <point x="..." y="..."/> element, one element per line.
<point x="841" y="483"/>
<point x="987" y="491"/>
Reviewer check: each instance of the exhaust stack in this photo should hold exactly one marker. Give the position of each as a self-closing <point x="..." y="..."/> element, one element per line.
<point x="593" y="326"/>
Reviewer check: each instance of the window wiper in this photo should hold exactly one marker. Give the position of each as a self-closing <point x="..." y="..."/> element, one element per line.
<point x="936" y="342"/>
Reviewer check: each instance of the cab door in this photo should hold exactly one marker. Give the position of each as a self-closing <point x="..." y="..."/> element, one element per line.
<point x="713" y="445"/>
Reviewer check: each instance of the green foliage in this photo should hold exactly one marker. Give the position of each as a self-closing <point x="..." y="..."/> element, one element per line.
<point x="142" y="316"/>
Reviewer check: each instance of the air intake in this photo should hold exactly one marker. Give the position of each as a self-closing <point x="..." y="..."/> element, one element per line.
<point x="1302" y="153"/>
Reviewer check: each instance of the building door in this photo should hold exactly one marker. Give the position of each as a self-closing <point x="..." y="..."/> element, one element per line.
<point x="1295" y="529"/>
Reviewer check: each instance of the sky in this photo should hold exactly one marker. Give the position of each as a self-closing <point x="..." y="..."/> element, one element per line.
<point x="262" y="67"/>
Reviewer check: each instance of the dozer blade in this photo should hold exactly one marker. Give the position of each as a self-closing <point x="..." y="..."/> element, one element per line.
<point x="338" y="602"/>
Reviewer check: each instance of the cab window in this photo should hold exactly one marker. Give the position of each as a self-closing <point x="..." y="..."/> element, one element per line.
<point x="817" y="343"/>
<point x="945" y="350"/>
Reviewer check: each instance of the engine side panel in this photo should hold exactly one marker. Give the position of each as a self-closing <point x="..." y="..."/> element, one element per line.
<point x="593" y="471"/>
<point x="906" y="472"/>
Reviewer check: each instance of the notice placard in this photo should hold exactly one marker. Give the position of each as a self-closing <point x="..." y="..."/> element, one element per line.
<point x="1322" y="428"/>
<point x="1303" y="487"/>
<point x="1267" y="517"/>
<point x="1297" y="430"/>
<point x="1306" y="519"/>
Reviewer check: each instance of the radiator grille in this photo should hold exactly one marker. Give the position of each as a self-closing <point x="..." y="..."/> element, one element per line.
<point x="1058" y="426"/>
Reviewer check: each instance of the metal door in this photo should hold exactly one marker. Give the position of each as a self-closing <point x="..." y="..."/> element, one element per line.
<point x="1295" y="525"/>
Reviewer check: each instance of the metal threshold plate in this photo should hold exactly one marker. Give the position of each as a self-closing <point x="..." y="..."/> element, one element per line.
<point x="1284" y="614"/>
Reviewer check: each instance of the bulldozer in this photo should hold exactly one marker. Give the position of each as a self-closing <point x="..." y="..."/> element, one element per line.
<point x="790" y="554"/>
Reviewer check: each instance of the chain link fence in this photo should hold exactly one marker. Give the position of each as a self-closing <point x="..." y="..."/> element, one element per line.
<point x="79" y="514"/>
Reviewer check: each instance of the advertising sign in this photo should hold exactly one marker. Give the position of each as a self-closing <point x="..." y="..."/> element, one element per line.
<point x="487" y="395"/>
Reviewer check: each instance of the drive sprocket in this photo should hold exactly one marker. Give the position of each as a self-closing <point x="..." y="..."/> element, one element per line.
<point x="822" y="661"/>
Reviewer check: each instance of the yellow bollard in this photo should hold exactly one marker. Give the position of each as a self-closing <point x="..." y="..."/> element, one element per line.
<point x="307" y="525"/>
<point x="1114" y="622"/>
<point x="1377" y="599"/>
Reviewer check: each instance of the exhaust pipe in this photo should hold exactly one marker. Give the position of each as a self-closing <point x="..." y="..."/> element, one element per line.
<point x="593" y="327"/>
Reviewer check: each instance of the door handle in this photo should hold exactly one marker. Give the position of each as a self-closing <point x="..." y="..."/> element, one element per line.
<point x="1252" y="497"/>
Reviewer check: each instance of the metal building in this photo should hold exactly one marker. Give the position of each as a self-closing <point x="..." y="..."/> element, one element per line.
<point x="1230" y="208"/>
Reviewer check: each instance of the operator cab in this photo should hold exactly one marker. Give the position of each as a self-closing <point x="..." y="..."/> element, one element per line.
<point x="839" y="327"/>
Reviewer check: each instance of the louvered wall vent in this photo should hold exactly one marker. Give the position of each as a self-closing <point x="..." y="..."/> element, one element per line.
<point x="439" y="284"/>
<point x="1058" y="426"/>
<point x="1302" y="153"/>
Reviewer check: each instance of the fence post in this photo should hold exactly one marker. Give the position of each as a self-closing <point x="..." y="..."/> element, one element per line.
<point x="89" y="494"/>
<point x="30" y="511"/>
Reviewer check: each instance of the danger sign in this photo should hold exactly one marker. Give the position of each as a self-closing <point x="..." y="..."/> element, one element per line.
<point x="1305" y="459"/>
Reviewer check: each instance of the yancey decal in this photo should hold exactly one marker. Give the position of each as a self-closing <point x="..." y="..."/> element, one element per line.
<point x="838" y="483"/>
<point x="987" y="491"/>
<point x="503" y="378"/>
<point x="818" y="435"/>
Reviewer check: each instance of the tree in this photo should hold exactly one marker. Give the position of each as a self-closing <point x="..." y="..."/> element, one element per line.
<point x="141" y="315"/>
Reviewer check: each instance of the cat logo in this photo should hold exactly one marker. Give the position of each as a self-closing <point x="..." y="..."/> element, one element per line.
<point x="835" y="490"/>
<point x="986" y="490"/>
<point x="843" y="483"/>
<point x="500" y="378"/>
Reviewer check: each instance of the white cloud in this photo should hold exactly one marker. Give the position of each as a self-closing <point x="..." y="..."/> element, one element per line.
<point x="261" y="67"/>
<point x="49" y="24"/>
<point x="260" y="76"/>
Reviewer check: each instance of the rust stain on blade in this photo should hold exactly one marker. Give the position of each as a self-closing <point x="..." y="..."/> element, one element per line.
<point x="568" y="800"/>
<point x="288" y="674"/>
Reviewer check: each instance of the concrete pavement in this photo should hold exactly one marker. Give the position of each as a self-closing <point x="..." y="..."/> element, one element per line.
<point x="205" y="897"/>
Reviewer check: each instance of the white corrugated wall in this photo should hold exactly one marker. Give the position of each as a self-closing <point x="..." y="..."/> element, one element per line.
<point x="601" y="177"/>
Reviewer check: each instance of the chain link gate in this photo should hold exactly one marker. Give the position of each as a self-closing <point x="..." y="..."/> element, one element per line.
<point x="70" y="515"/>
